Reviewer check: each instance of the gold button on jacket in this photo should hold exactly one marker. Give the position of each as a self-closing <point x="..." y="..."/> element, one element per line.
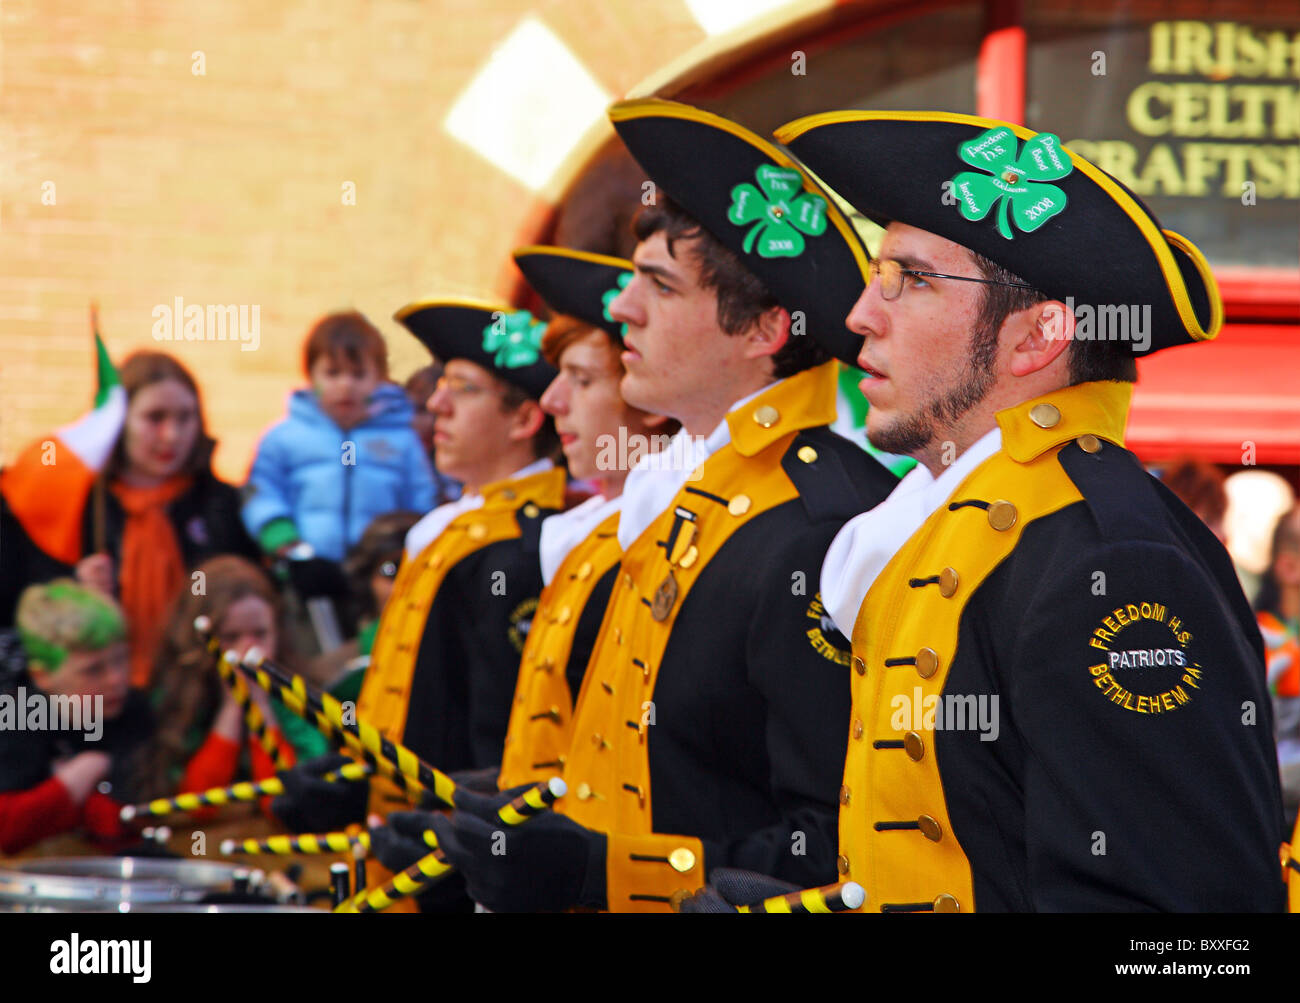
<point x="912" y="859"/>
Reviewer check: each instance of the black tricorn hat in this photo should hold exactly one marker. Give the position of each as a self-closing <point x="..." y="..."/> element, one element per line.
<point x="756" y="201"/>
<point x="577" y="283"/>
<point x="501" y="339"/>
<point x="1022" y="200"/>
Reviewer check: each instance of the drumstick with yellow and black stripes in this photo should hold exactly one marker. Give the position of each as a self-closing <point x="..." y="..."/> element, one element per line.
<point x="433" y="866"/>
<point x="258" y="726"/>
<point x="326" y="712"/>
<point x="315" y="709"/>
<point x="260" y="729"/>
<point x="843" y="897"/>
<point x="248" y="790"/>
<point x="303" y="843"/>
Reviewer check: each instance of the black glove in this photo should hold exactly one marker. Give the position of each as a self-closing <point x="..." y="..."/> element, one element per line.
<point x="317" y="576"/>
<point x="311" y="804"/>
<point x="397" y="844"/>
<point x="547" y="864"/>
<point x="729" y="887"/>
<point x="479" y="781"/>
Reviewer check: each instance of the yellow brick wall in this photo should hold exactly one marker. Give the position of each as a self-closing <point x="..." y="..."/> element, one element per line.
<point x="225" y="187"/>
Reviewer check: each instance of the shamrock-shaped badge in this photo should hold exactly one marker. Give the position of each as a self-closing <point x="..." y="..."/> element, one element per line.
<point x="513" y="339"/>
<point x="1014" y="184"/>
<point x="609" y="296"/>
<point x="781" y="213"/>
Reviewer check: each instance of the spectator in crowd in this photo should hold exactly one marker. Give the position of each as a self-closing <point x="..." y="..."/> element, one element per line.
<point x="52" y="778"/>
<point x="347" y="451"/>
<point x="1278" y="609"/>
<point x="419" y="387"/>
<point x="1199" y="485"/>
<point x="201" y="735"/>
<point x="155" y="513"/>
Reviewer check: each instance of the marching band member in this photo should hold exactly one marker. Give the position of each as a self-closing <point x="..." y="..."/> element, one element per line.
<point x="701" y="736"/>
<point x="1058" y="689"/>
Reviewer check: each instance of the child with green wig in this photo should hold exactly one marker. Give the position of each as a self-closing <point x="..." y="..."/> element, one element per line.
<point x="69" y="722"/>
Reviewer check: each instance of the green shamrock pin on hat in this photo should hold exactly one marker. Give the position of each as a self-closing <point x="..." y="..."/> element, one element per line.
<point x="513" y="339"/>
<point x="781" y="214"/>
<point x="503" y="340"/>
<point x="756" y="201"/>
<point x="1013" y="185"/>
<point x="1031" y="205"/>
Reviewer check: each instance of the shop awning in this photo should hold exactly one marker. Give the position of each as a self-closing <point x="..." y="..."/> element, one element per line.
<point x="1212" y="400"/>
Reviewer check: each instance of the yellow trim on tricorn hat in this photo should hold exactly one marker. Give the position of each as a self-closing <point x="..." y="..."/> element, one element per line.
<point x="578" y="283"/>
<point x="760" y="205"/>
<point x="1083" y="236"/>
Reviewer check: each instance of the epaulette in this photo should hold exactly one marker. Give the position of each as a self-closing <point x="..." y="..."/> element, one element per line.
<point x="1130" y="504"/>
<point x="836" y="478"/>
<point x="529" y="516"/>
<point x="1121" y="495"/>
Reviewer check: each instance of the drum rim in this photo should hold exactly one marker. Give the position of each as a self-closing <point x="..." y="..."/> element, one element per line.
<point x="160" y="880"/>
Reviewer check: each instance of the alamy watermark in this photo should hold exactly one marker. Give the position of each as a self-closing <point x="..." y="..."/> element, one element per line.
<point x="75" y="956"/>
<point x="1103" y="322"/>
<point x="39" y="711"/>
<point x="946" y="712"/>
<point x="654" y="452"/>
<point x="240" y="322"/>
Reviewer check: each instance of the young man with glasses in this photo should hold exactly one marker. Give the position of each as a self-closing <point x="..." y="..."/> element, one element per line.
<point x="579" y="548"/>
<point x="446" y="655"/>
<point x="1058" y="692"/>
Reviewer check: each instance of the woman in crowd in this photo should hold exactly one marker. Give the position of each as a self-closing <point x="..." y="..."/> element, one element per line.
<point x="156" y="511"/>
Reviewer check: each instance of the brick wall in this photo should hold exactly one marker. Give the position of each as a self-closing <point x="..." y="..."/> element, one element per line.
<point x="225" y="187"/>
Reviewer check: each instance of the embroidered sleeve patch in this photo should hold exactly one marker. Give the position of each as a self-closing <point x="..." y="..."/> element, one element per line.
<point x="825" y="639"/>
<point x="1141" y="659"/>
<point x="521" y="622"/>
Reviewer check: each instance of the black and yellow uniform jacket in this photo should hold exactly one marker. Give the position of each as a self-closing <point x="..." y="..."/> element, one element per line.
<point x="709" y="728"/>
<point x="1058" y="693"/>
<point x="445" y="658"/>
<point x="559" y="645"/>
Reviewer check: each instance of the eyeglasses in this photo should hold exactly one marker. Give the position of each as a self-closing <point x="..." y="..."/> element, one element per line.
<point x="890" y="273"/>
<point x="459" y="387"/>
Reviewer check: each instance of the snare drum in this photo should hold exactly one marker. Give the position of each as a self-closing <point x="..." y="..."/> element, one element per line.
<point x="111" y="884"/>
<point x="200" y="907"/>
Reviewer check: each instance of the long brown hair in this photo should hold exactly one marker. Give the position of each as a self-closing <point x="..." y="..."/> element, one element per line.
<point x="142" y="369"/>
<point x="187" y="688"/>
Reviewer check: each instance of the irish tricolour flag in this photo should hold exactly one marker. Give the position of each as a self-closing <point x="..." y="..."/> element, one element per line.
<point x="47" y="486"/>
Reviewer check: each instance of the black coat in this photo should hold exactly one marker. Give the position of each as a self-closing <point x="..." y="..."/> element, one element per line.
<point x="1094" y="798"/>
<point x="1059" y="693"/>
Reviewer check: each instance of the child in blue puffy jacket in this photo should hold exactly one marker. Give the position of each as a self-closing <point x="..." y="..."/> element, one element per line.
<point x="346" y="453"/>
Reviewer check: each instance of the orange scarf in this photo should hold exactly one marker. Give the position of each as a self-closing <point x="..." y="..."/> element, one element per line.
<point x="152" y="569"/>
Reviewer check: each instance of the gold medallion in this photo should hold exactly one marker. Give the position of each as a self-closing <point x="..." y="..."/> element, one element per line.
<point x="665" y="596"/>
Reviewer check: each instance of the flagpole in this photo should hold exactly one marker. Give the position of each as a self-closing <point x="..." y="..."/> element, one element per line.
<point x="99" y="501"/>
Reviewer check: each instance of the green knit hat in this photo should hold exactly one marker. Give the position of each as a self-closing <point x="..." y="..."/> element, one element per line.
<point x="61" y="616"/>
